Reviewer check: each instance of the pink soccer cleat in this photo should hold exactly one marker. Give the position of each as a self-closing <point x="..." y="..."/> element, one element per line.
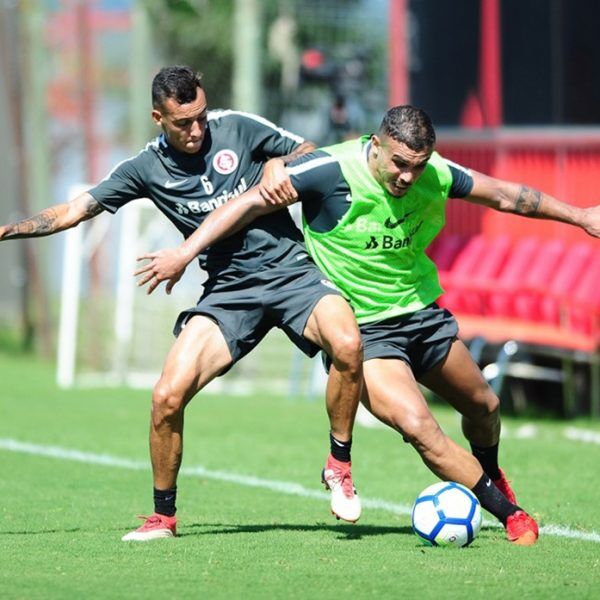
<point x="503" y="485"/>
<point x="156" y="526"/>
<point x="521" y="529"/>
<point x="337" y="477"/>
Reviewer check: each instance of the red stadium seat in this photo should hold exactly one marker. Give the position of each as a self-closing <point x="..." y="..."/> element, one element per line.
<point x="584" y="305"/>
<point x="564" y="281"/>
<point x="544" y="292"/>
<point x="474" y="272"/>
<point x="461" y="268"/>
<point x="464" y="263"/>
<point x="536" y="281"/>
<point x="500" y="300"/>
<point x="445" y="250"/>
<point x="544" y="297"/>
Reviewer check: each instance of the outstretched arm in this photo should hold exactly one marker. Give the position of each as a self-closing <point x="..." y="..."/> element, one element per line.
<point x="170" y="264"/>
<point x="518" y="199"/>
<point x="53" y="219"/>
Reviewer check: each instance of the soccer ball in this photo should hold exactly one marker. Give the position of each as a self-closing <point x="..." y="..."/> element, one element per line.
<point x="446" y="514"/>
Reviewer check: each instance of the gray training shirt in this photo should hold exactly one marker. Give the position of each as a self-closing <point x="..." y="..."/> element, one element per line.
<point x="188" y="187"/>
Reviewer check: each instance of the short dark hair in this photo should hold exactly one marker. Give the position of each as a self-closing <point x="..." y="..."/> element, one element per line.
<point x="409" y="125"/>
<point x="177" y="81"/>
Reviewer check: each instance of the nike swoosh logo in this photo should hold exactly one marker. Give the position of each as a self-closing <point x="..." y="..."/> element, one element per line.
<point x="348" y="198"/>
<point x="174" y="184"/>
<point x="393" y="224"/>
<point x="488" y="483"/>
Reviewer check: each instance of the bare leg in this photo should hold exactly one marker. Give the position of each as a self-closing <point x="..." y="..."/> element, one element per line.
<point x="459" y="381"/>
<point x="393" y="396"/>
<point x="198" y="355"/>
<point x="333" y="327"/>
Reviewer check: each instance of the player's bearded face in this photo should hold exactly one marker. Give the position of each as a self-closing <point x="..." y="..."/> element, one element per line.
<point x="184" y="125"/>
<point x="395" y="165"/>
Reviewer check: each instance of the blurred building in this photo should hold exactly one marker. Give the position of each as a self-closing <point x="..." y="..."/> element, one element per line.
<point x="549" y="60"/>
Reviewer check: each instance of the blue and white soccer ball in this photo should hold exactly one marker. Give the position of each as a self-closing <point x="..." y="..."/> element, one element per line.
<point x="446" y="514"/>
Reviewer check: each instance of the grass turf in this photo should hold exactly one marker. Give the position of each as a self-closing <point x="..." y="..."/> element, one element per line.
<point x="62" y="520"/>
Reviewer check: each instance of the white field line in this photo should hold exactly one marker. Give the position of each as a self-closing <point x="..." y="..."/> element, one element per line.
<point x="283" y="487"/>
<point x="582" y="435"/>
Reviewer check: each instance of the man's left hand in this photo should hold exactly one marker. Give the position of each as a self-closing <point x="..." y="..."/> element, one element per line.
<point x="591" y="220"/>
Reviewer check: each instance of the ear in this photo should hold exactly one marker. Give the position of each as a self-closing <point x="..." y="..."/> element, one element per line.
<point x="157" y="117"/>
<point x="375" y="145"/>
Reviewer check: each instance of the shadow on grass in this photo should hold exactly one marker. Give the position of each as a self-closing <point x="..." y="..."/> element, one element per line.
<point x="345" y="531"/>
<point x="40" y="531"/>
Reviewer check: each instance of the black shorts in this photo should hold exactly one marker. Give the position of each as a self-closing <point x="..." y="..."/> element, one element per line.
<point x="421" y="339"/>
<point x="247" y="308"/>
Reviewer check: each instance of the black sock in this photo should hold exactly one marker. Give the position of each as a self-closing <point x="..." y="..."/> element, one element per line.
<point x="488" y="459"/>
<point x="493" y="500"/>
<point x="164" y="501"/>
<point x="340" y="450"/>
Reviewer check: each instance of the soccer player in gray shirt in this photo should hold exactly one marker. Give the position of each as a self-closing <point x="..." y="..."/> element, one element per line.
<point x="258" y="279"/>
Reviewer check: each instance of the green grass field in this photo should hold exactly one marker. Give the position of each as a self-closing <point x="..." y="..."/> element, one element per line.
<point x="254" y="522"/>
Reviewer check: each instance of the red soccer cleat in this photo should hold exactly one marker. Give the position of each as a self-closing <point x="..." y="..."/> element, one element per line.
<point x="503" y="485"/>
<point x="337" y="478"/>
<point x="521" y="529"/>
<point x="156" y="526"/>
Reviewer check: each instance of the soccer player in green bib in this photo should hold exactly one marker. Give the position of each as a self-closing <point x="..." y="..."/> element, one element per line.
<point x="371" y="206"/>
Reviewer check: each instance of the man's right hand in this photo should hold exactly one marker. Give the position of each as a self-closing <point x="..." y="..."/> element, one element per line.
<point x="165" y="265"/>
<point x="275" y="186"/>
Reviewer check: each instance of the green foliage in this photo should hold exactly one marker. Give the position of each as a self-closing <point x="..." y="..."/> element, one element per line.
<point x="10" y="341"/>
<point x="200" y="33"/>
<point x="197" y="33"/>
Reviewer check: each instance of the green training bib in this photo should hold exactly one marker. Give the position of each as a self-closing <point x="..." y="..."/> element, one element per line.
<point x="376" y="254"/>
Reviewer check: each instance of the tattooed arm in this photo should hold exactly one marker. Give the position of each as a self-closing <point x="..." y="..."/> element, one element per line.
<point x="518" y="199"/>
<point x="53" y="219"/>
<point x="303" y="148"/>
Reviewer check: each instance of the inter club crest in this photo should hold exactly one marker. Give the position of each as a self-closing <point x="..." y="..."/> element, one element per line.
<point x="225" y="162"/>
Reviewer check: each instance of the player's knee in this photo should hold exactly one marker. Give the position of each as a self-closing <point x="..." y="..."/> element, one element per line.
<point x="166" y="402"/>
<point x="485" y="405"/>
<point x="347" y="350"/>
<point x="419" y="429"/>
